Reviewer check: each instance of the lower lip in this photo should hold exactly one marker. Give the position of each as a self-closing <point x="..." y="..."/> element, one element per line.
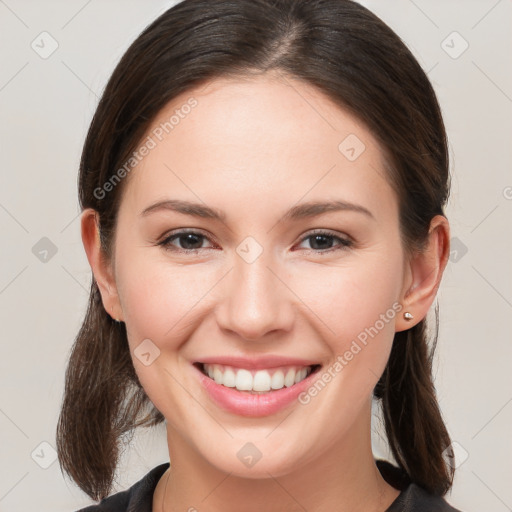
<point x="253" y="405"/>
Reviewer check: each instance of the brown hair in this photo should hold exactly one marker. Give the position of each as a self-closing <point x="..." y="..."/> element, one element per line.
<point x="354" y="58"/>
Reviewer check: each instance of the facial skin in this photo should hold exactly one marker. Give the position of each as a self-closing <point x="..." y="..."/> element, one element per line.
<point x="253" y="149"/>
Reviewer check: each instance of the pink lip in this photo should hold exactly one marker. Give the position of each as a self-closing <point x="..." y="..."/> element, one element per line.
<point x="246" y="404"/>
<point x="257" y="363"/>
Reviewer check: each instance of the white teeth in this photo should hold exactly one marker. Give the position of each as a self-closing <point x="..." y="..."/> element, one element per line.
<point x="277" y="380"/>
<point x="229" y="378"/>
<point x="289" y="379"/>
<point x="243" y="381"/>
<point x="261" y="381"/>
<point x="301" y="375"/>
<point x="217" y="375"/>
<point x="258" y="381"/>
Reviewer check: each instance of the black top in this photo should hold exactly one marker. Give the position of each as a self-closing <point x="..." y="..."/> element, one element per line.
<point x="139" y="497"/>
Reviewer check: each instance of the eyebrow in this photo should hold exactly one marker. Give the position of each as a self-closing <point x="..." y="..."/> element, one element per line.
<point x="301" y="211"/>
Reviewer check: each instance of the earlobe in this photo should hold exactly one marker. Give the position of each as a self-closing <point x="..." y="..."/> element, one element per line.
<point x="100" y="266"/>
<point x="424" y="272"/>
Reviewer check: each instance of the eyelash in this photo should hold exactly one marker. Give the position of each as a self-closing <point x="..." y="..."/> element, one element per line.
<point x="344" y="243"/>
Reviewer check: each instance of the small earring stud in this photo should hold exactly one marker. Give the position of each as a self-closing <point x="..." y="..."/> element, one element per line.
<point x="408" y="316"/>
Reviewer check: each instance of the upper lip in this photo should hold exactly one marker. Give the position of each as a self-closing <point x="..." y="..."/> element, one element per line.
<point x="257" y="363"/>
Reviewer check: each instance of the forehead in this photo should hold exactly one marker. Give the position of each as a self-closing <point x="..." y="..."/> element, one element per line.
<point x="271" y="137"/>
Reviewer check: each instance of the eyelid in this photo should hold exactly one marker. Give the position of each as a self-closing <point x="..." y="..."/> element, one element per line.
<point x="184" y="231"/>
<point x="345" y="243"/>
<point x="164" y="239"/>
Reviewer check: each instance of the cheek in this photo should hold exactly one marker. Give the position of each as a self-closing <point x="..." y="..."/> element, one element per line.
<point x="353" y="296"/>
<point x="159" y="299"/>
<point x="355" y="307"/>
<point x="355" y="311"/>
<point x="160" y="303"/>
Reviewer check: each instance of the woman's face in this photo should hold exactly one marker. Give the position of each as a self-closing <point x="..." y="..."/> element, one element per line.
<point x="256" y="169"/>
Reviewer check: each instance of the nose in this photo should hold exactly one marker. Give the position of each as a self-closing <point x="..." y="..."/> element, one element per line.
<point x="257" y="301"/>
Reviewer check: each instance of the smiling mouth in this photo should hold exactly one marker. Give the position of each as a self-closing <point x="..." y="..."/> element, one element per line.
<point x="256" y="381"/>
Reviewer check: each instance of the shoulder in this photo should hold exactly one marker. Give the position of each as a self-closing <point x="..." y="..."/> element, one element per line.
<point x="138" y="497"/>
<point x="412" y="497"/>
<point x="417" y="499"/>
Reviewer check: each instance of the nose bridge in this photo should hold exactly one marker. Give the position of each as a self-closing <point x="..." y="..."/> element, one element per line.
<point x="256" y="301"/>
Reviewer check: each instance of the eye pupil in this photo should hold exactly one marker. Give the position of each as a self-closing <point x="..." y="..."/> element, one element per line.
<point x="192" y="242"/>
<point x="190" y="239"/>
<point x="317" y="238"/>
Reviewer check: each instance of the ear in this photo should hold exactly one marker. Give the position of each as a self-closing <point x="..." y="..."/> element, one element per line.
<point x="424" y="271"/>
<point x="100" y="266"/>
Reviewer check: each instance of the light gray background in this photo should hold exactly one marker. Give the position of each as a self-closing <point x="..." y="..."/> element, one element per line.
<point x="46" y="105"/>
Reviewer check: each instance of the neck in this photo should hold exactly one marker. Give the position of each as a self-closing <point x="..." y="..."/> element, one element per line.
<point x="344" y="479"/>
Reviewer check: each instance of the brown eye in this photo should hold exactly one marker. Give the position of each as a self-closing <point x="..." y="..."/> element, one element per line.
<point x="324" y="241"/>
<point x="184" y="241"/>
